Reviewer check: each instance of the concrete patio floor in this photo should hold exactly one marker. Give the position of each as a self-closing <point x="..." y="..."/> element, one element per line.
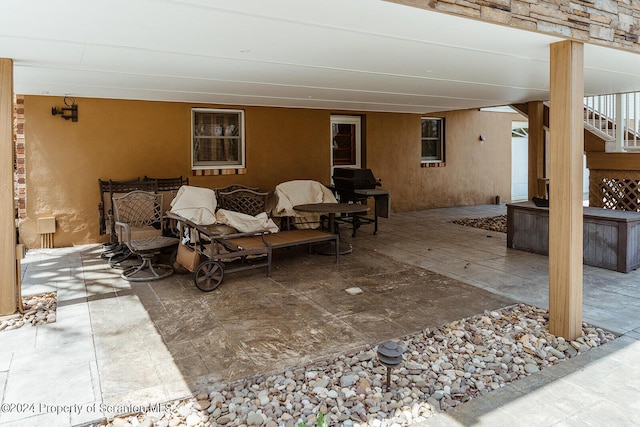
<point x="117" y="345"/>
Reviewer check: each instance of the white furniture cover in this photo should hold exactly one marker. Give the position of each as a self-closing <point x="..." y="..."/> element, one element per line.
<point x="196" y="204"/>
<point x="246" y="223"/>
<point x="300" y="192"/>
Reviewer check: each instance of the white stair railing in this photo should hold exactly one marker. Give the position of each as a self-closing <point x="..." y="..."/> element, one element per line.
<point x="617" y="115"/>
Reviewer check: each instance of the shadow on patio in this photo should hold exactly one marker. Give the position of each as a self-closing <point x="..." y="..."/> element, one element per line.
<point x="253" y="324"/>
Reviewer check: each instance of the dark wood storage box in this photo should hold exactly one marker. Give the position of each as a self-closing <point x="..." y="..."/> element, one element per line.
<point x="611" y="238"/>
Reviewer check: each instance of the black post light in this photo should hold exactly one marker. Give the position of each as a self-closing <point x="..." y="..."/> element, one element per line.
<point x="390" y="355"/>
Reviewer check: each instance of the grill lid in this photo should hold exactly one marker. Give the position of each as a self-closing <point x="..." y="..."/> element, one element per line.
<point x="354" y="178"/>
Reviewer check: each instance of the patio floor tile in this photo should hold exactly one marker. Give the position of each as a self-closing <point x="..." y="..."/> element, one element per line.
<point x="116" y="342"/>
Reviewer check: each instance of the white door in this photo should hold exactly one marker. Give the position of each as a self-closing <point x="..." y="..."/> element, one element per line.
<point x="345" y="142"/>
<point x="519" y="161"/>
<point x="520" y="165"/>
<point x="585" y="182"/>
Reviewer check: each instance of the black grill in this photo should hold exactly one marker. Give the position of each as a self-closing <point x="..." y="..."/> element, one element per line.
<point x="347" y="180"/>
<point x="357" y="185"/>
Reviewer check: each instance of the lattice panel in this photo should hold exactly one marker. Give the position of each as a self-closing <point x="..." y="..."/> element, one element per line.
<point x="619" y="190"/>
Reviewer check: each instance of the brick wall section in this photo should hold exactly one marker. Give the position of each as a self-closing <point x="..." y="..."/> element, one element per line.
<point x="19" y="177"/>
<point x="604" y="22"/>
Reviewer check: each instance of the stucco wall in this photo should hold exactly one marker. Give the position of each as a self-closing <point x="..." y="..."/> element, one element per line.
<point x="474" y="172"/>
<point x="120" y="139"/>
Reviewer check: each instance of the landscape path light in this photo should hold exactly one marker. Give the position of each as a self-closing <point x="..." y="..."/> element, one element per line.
<point x="390" y="355"/>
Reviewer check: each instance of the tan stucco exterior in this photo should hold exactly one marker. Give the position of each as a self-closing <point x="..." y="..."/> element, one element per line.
<point x="121" y="139"/>
<point x="475" y="172"/>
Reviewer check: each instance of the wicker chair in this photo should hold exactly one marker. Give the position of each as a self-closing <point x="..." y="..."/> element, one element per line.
<point x="139" y="225"/>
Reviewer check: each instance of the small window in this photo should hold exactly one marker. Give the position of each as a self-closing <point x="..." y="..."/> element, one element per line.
<point x="432" y="140"/>
<point x="217" y="139"/>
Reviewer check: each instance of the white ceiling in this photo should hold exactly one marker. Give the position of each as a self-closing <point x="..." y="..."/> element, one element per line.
<point x="366" y="55"/>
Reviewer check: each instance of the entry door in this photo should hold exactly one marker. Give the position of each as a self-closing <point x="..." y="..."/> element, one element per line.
<point x="345" y="142"/>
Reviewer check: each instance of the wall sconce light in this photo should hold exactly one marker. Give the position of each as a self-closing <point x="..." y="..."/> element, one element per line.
<point x="482" y="138"/>
<point x="70" y="112"/>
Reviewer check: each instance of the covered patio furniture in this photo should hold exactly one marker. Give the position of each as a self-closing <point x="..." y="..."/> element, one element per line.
<point x="300" y="192"/>
<point x="240" y="236"/>
<point x="221" y="240"/>
<point x="139" y="225"/>
<point x="197" y="204"/>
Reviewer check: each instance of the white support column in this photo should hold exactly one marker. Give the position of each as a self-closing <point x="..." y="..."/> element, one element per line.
<point x="619" y="121"/>
<point x="566" y="120"/>
<point x="8" y="291"/>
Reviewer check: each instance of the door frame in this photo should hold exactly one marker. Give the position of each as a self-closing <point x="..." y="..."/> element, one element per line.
<point x="352" y="120"/>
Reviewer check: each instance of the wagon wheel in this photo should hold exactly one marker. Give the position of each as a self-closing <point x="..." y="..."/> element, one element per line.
<point x="208" y="275"/>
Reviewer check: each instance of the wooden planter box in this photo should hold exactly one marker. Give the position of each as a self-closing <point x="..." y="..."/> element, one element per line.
<point x="611" y="238"/>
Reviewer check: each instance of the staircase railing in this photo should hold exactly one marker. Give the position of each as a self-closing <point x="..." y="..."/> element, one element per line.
<point x="617" y="115"/>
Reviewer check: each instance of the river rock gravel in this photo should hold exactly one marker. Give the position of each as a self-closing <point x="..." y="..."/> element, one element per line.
<point x="442" y="368"/>
<point x="38" y="310"/>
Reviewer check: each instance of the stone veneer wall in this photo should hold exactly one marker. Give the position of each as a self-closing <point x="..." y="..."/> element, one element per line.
<point x="603" y="22"/>
<point x="19" y="176"/>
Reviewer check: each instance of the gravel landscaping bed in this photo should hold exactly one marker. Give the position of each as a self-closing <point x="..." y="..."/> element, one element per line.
<point x="494" y="223"/>
<point x="442" y="368"/>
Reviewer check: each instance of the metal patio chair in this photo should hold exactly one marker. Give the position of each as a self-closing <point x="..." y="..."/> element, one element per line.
<point x="139" y="224"/>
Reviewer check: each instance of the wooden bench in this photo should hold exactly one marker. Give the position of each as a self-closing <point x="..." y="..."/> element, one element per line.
<point x="289" y="238"/>
<point x="237" y="244"/>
